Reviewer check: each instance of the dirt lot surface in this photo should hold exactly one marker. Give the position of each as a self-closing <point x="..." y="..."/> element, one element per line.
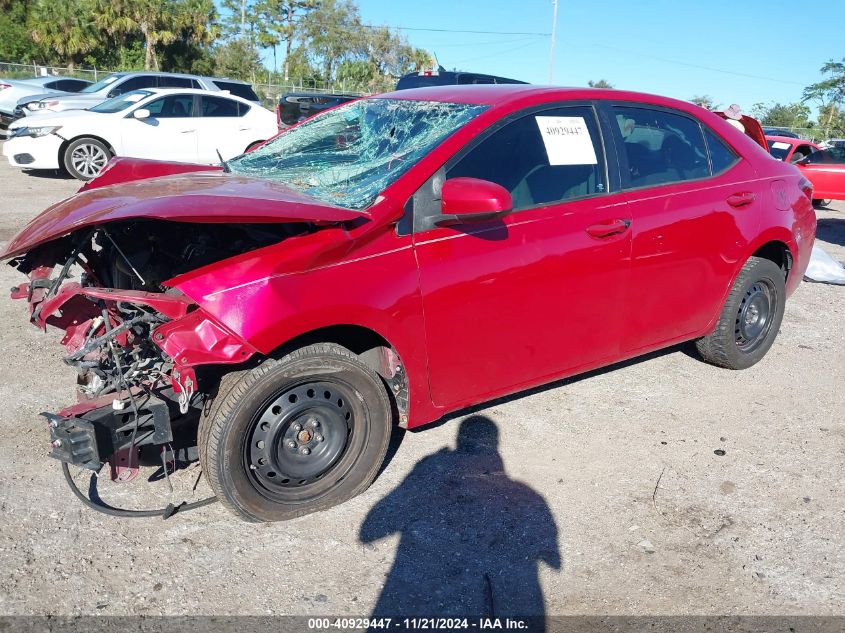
<point x="552" y="495"/>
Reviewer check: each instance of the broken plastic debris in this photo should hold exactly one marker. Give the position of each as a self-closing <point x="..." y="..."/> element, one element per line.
<point x="720" y="452"/>
<point x="824" y="268"/>
<point x="648" y="548"/>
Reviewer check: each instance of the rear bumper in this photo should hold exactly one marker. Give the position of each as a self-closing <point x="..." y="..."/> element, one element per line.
<point x="27" y="152"/>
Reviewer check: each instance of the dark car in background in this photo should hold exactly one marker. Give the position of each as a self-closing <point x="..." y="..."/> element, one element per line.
<point x="443" y="77"/>
<point x="776" y="131"/>
<point x="297" y="106"/>
<point x="294" y="107"/>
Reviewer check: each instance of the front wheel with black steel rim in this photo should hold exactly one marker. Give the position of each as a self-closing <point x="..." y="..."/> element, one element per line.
<point x="85" y="157"/>
<point x="750" y="318"/>
<point x="295" y="435"/>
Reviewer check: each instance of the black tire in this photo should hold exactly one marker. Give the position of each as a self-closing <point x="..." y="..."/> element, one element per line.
<point x="820" y="203"/>
<point x="750" y="318"/>
<point x="84" y="157"/>
<point x="252" y="451"/>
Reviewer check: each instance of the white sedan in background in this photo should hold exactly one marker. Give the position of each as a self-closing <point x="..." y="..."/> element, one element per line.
<point x="184" y="125"/>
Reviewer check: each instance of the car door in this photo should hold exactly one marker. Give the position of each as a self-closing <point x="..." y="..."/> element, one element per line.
<point x="169" y="133"/>
<point x="826" y="170"/>
<point x="694" y="205"/>
<point x="223" y="127"/>
<point x="528" y="297"/>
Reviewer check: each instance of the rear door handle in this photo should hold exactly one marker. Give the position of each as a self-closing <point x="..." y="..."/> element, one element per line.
<point x="741" y="199"/>
<point x="186" y="131"/>
<point x="606" y="229"/>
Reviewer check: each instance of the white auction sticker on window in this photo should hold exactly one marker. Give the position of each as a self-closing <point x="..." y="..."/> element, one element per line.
<point x="780" y="145"/>
<point x="567" y="140"/>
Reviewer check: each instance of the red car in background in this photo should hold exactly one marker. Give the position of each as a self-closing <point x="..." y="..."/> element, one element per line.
<point x="395" y="259"/>
<point x="790" y="150"/>
<point x="826" y="170"/>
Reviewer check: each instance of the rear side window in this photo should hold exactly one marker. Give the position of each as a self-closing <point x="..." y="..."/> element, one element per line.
<point x="661" y="147"/>
<point x="541" y="158"/>
<point x="722" y="157"/>
<point x="175" y="82"/>
<point x="243" y="91"/>
<point x="221" y="107"/>
<point x="71" y="85"/>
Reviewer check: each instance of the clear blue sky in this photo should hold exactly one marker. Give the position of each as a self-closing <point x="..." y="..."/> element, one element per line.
<point x="660" y="46"/>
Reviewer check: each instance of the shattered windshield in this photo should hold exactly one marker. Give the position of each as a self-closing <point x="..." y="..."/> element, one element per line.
<point x="349" y="155"/>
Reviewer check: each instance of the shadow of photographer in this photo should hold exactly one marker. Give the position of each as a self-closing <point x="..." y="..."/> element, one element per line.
<point x="472" y="539"/>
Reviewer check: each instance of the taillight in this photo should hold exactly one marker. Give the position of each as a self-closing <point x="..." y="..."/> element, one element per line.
<point x="279" y="115"/>
<point x="806" y="188"/>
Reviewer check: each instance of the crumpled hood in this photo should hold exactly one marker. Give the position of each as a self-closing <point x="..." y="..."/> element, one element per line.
<point x="203" y="197"/>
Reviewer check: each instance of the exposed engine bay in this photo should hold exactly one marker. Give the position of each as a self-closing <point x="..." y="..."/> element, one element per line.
<point x="128" y="335"/>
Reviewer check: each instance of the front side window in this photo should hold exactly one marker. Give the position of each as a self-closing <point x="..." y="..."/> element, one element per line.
<point x="347" y="156"/>
<point x="661" y="147"/>
<point x="542" y="158"/>
<point x="171" y="107"/>
<point x="830" y="155"/>
<point x="134" y="83"/>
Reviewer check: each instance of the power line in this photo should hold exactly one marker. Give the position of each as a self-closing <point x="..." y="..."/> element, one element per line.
<point x="428" y="30"/>
<point x="699" y="66"/>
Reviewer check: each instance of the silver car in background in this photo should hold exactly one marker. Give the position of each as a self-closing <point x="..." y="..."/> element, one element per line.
<point x="12" y="91"/>
<point x="122" y="82"/>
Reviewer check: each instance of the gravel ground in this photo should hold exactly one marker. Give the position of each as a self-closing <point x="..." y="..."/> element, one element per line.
<point x="553" y="495"/>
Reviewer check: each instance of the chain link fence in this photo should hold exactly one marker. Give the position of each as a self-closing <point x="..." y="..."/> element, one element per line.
<point x="269" y="91"/>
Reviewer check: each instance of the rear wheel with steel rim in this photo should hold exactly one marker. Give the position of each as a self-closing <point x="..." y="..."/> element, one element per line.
<point x="85" y="157"/>
<point x="750" y="318"/>
<point x="296" y="435"/>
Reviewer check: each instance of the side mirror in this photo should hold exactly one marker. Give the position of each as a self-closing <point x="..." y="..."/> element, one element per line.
<point x="465" y="200"/>
<point x="141" y="113"/>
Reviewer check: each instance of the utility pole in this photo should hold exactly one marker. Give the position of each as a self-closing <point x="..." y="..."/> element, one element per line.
<point x="552" y="47"/>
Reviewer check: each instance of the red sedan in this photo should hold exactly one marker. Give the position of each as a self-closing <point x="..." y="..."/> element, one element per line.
<point x="790" y="150"/>
<point x="395" y="259"/>
<point x="826" y="170"/>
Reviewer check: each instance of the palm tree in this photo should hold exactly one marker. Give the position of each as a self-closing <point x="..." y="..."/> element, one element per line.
<point x="158" y="21"/>
<point x="65" y="27"/>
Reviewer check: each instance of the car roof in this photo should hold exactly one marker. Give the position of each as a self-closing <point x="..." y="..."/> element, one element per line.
<point x="788" y="139"/>
<point x="509" y="94"/>
<point x="158" y="73"/>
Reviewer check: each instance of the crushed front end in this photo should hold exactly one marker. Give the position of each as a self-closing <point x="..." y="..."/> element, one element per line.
<point x="145" y="356"/>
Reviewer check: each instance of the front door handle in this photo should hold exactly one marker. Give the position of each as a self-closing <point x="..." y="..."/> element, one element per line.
<point x="741" y="199"/>
<point x="186" y="131"/>
<point x="606" y="229"/>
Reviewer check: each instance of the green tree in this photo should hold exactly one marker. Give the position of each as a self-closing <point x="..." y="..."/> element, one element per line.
<point x="601" y="83"/>
<point x="158" y="22"/>
<point x="829" y="94"/>
<point x="278" y="21"/>
<point x="237" y="59"/>
<point x="332" y="33"/>
<point x="65" y="27"/>
<point x="705" y="101"/>
<point x="16" y="42"/>
<point x="783" y="115"/>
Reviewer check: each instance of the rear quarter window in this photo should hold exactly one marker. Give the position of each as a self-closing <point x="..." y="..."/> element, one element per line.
<point x="243" y="91"/>
<point x="722" y="157"/>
